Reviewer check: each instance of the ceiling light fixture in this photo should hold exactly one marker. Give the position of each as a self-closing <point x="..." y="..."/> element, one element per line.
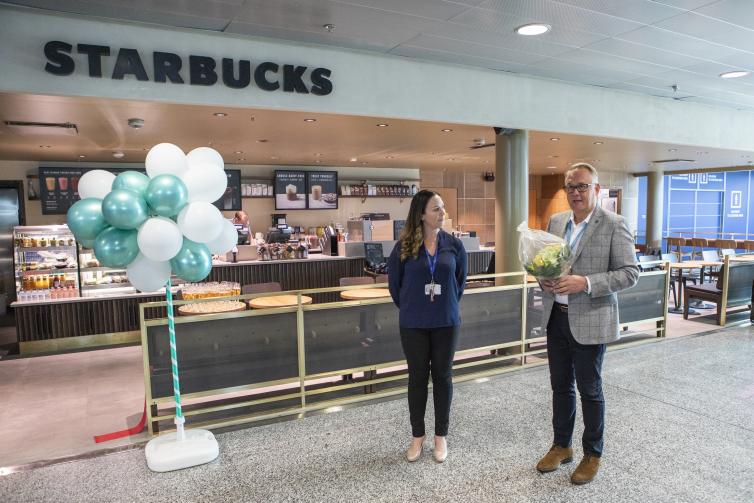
<point x="353" y="159"/>
<point x="552" y="167"/>
<point x="239" y="151"/>
<point x="220" y="114"/>
<point x="598" y="143"/>
<point x="82" y="156"/>
<point x="364" y="163"/>
<point x="310" y="120"/>
<point x="274" y="157"/>
<point x="552" y="156"/>
<point x="262" y="140"/>
<point x="389" y="157"/>
<point x="329" y="27"/>
<point x="672" y="150"/>
<point x="45" y="146"/>
<point x="734" y="75"/>
<point x="554" y="139"/>
<point x="446" y="130"/>
<point x="119" y="155"/>
<point x="382" y="125"/>
<point x="533" y="29"/>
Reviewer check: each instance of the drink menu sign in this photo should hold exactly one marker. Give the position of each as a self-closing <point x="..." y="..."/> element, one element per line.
<point x="322" y="190"/>
<point x="290" y="190"/>
<point x="59" y="189"/>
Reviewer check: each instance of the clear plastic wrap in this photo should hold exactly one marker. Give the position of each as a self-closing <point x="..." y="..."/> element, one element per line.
<point x="543" y="255"/>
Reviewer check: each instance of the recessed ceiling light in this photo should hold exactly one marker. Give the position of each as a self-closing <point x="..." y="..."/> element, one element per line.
<point x="734" y="75"/>
<point x="533" y="29"/>
<point x="45" y="146"/>
<point x="672" y="150"/>
<point x="318" y="161"/>
<point x="310" y="120"/>
<point x="119" y="155"/>
<point x="220" y="114"/>
<point x="382" y="125"/>
<point x="554" y="139"/>
<point x="552" y="156"/>
<point x="239" y="151"/>
<point x="389" y="157"/>
<point x="82" y="156"/>
<point x="274" y="157"/>
<point x="598" y="143"/>
<point x="552" y="167"/>
<point x="353" y="159"/>
<point x="262" y="140"/>
<point x="329" y="27"/>
<point x="446" y="130"/>
<point x="317" y="154"/>
<point x="364" y="163"/>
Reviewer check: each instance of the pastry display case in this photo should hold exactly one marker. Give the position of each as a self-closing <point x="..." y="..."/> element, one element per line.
<point x="98" y="281"/>
<point x="45" y="262"/>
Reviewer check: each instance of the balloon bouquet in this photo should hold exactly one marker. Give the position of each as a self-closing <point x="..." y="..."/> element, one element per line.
<point x="154" y="226"/>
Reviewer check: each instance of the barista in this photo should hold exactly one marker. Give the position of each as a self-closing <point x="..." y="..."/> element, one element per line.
<point x="241" y="222"/>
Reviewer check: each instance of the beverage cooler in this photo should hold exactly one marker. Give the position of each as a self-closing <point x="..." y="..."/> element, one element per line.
<point x="98" y="281"/>
<point x="45" y="262"/>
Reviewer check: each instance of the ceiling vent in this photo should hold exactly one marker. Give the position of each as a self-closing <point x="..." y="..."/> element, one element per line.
<point x="42" y="128"/>
<point x="673" y="160"/>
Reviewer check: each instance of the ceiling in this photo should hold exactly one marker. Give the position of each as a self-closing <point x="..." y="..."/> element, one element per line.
<point x="267" y="137"/>
<point x="670" y="48"/>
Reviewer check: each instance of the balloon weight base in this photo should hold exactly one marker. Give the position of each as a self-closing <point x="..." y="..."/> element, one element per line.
<point x="167" y="453"/>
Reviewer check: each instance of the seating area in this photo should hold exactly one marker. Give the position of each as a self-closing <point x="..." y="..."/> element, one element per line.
<point x="734" y="287"/>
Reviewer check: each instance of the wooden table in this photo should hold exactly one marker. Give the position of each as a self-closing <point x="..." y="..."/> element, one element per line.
<point x="278" y="301"/>
<point x="365" y="293"/>
<point x="223" y="306"/>
<point x="688" y="264"/>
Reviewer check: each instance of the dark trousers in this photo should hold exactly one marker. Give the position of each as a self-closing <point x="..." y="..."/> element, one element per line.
<point x="570" y="361"/>
<point x="429" y="351"/>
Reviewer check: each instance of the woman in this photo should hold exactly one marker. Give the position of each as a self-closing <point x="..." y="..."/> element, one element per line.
<point x="241" y="222"/>
<point x="426" y="276"/>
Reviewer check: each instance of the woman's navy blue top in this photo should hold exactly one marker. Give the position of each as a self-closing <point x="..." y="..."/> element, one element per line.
<point x="407" y="279"/>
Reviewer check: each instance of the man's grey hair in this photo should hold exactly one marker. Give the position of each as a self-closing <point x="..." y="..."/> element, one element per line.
<point x="586" y="166"/>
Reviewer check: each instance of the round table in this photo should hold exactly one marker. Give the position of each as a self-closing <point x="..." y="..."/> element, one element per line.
<point x="278" y="301"/>
<point x="365" y="293"/>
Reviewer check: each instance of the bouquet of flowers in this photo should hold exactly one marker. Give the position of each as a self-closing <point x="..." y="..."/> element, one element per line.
<point x="543" y="255"/>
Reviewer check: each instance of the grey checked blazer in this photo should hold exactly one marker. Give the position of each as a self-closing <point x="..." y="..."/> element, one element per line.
<point x="605" y="254"/>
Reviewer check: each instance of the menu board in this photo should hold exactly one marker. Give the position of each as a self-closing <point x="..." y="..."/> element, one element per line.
<point x="290" y="190"/>
<point x="58" y="188"/>
<point x="231" y="200"/>
<point x="322" y="190"/>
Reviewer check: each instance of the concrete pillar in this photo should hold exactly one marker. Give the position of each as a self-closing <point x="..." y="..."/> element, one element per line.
<point x="511" y="195"/>
<point x="655" y="183"/>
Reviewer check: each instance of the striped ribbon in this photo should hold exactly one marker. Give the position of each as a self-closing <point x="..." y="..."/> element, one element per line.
<point x="174" y="359"/>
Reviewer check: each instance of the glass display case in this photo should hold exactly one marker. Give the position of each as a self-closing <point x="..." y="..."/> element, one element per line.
<point x="98" y="281"/>
<point x="45" y="262"/>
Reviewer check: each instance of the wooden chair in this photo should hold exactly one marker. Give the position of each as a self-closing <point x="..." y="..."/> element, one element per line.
<point x="261" y="288"/>
<point x="734" y="287"/>
<point x="749" y="245"/>
<point x="726" y="244"/>
<point x="356" y="280"/>
<point x="676" y="245"/>
<point x="711" y="271"/>
<point x="697" y="247"/>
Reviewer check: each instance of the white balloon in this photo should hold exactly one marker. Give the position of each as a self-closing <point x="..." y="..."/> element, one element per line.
<point x="205" y="182"/>
<point x="200" y="222"/>
<point x="227" y="239"/>
<point x="201" y="155"/>
<point x="96" y="183"/>
<point x="159" y="239"/>
<point x="147" y="275"/>
<point x="166" y="158"/>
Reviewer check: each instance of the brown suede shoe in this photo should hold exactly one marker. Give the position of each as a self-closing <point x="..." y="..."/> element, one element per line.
<point x="555" y="457"/>
<point x="586" y="471"/>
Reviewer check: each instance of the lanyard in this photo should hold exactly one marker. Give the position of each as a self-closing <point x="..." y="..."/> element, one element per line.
<point x="577" y="238"/>
<point x="432" y="261"/>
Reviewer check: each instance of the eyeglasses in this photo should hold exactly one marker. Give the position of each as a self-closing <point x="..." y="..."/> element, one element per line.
<point x="582" y="187"/>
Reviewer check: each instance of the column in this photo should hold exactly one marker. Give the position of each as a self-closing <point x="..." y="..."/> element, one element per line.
<point x="511" y="195"/>
<point x="655" y="182"/>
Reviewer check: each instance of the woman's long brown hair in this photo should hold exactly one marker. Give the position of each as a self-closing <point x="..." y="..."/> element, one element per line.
<point x="412" y="235"/>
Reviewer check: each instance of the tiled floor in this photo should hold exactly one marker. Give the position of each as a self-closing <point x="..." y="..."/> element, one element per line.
<point x="53" y="406"/>
<point x="679" y="427"/>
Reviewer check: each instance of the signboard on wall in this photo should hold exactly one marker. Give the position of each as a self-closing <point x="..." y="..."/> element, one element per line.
<point x="231" y="200"/>
<point x="322" y="190"/>
<point x="290" y="190"/>
<point x="736" y="202"/>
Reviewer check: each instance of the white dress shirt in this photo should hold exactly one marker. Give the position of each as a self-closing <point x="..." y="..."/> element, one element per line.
<point x="577" y="231"/>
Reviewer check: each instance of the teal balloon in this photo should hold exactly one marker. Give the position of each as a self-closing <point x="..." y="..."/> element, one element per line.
<point x="193" y="263"/>
<point x="124" y="209"/>
<point x="85" y="219"/>
<point x="86" y="243"/>
<point x="166" y="195"/>
<point x="116" y="247"/>
<point x="131" y="180"/>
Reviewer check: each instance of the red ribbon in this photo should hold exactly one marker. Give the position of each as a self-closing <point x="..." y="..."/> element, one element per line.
<point x="127" y="432"/>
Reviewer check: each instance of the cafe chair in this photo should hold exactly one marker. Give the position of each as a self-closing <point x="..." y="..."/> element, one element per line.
<point x="380" y="278"/>
<point x="749" y="245"/>
<point x="676" y="245"/>
<point x="727" y="251"/>
<point x="726" y="244"/>
<point x="697" y="247"/>
<point x="671" y="258"/>
<point x="356" y="280"/>
<point x="648" y="258"/>
<point x="710" y="271"/>
<point x="273" y="286"/>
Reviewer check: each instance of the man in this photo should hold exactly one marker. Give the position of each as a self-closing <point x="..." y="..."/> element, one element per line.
<point x="581" y="316"/>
